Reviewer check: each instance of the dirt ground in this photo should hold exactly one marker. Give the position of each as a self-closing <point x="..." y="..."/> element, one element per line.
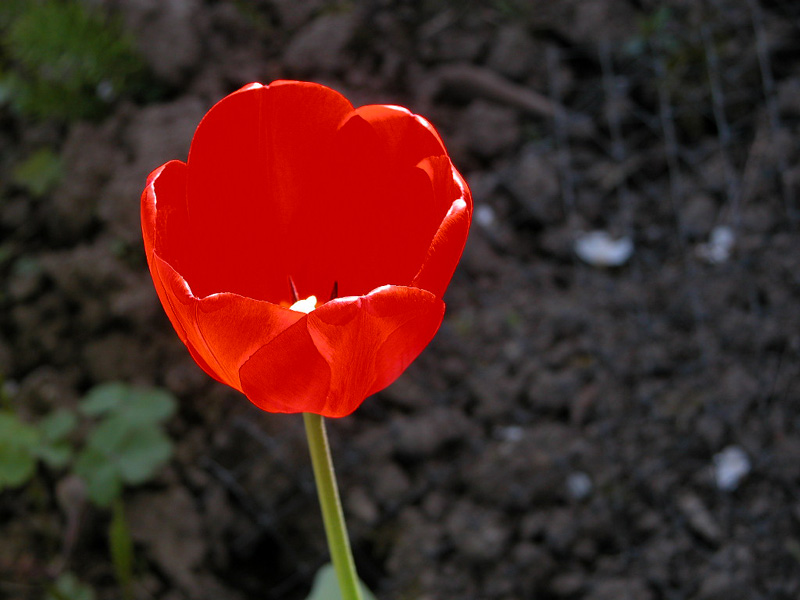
<point x="569" y="433"/>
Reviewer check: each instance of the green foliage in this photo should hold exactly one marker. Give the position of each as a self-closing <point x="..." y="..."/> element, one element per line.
<point x="127" y="446"/>
<point x="121" y="545"/>
<point x="67" y="587"/>
<point x="18" y="442"/>
<point x="22" y="445"/>
<point x="61" y="60"/>
<point x="54" y="446"/>
<point x="39" y="173"/>
<point x="326" y="586"/>
<point x="124" y="445"/>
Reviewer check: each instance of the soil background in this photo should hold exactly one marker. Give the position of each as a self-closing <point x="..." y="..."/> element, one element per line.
<point x="561" y="437"/>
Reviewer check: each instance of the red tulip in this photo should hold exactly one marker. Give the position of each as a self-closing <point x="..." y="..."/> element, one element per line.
<point x="290" y="193"/>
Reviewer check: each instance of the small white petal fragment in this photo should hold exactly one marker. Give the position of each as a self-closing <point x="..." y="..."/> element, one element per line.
<point x="730" y="467"/>
<point x="719" y="247"/>
<point x="599" y="249"/>
<point x="305" y="306"/>
<point x="484" y="216"/>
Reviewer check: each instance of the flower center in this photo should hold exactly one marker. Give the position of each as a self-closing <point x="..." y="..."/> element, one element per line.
<point x="310" y="303"/>
<point x="305" y="306"/>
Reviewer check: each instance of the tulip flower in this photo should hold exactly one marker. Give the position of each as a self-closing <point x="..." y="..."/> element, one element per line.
<point x="302" y="251"/>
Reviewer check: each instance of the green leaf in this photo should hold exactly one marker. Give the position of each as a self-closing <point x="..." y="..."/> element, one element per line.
<point x="56" y="456"/>
<point x="121" y="546"/>
<point x="68" y="587"/>
<point x="104" y="398"/>
<point x="145" y="406"/>
<point x="17" y="465"/>
<point x="141" y="454"/>
<point x="102" y="477"/>
<point x="18" y="443"/>
<point x="62" y="53"/>
<point x="39" y="173"/>
<point x="109" y="434"/>
<point x="326" y="586"/>
<point x="58" y="425"/>
<point x="139" y="405"/>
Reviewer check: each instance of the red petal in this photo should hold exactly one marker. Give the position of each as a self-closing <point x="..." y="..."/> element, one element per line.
<point x="223" y="329"/>
<point x="255" y="181"/>
<point x="448" y="243"/>
<point x="165" y="179"/>
<point x="382" y="210"/>
<point x="164" y="196"/>
<point x="408" y="137"/>
<point x="287" y="375"/>
<point x="343" y="352"/>
<point x="236" y="327"/>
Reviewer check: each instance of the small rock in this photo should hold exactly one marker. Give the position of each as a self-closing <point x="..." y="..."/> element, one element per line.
<point x="484" y="216"/>
<point x="719" y="247"/>
<point x="599" y="249"/>
<point x="700" y="519"/>
<point x="579" y="485"/>
<point x="730" y="467"/>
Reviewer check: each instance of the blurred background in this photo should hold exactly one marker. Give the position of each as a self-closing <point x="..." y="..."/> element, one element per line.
<point x="611" y="410"/>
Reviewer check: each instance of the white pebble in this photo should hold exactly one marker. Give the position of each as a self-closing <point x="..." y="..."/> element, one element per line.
<point x="719" y="246"/>
<point x="579" y="485"/>
<point x="512" y="433"/>
<point x="484" y="215"/>
<point x="599" y="249"/>
<point x="731" y="465"/>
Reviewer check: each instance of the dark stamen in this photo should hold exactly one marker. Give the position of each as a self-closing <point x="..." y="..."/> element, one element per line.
<point x="294" y="290"/>
<point x="335" y="291"/>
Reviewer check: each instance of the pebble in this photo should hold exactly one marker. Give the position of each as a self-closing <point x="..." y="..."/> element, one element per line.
<point x="484" y="216"/>
<point x="731" y="465"/>
<point x="599" y="249"/>
<point x="579" y="485"/>
<point x="700" y="519"/>
<point x="719" y="247"/>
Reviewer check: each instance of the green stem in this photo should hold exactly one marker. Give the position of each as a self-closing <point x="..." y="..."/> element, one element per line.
<point x="332" y="515"/>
